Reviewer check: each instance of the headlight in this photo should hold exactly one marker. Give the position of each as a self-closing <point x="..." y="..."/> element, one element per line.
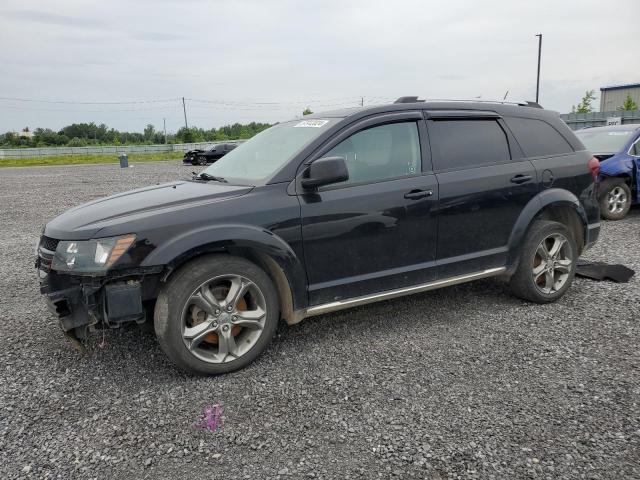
<point x="90" y="255"/>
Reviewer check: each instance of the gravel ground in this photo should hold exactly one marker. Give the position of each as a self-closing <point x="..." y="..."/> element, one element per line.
<point x="465" y="382"/>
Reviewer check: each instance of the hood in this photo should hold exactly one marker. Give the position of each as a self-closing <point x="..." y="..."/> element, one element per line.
<point x="85" y="221"/>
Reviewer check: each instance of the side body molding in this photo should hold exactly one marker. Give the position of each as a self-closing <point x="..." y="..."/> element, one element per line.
<point x="232" y="237"/>
<point x="552" y="196"/>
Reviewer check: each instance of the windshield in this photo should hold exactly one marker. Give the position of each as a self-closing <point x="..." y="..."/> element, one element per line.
<point x="607" y="141"/>
<point x="260" y="157"/>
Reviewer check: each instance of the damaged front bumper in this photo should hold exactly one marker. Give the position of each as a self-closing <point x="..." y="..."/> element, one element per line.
<point x="83" y="303"/>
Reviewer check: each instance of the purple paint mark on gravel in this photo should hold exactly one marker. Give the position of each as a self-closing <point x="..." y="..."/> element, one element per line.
<point x="211" y="418"/>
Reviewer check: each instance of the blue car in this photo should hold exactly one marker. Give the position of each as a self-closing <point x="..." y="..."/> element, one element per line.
<point x="618" y="149"/>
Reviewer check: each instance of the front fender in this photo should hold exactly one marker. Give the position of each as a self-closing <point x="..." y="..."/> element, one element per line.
<point x="552" y="196"/>
<point x="229" y="238"/>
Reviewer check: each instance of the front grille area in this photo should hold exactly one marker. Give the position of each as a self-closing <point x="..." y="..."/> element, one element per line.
<point x="48" y="243"/>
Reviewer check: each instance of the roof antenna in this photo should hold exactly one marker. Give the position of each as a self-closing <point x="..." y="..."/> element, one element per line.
<point x="505" y="96"/>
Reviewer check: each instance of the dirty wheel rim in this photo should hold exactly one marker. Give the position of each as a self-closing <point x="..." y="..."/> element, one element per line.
<point x="552" y="264"/>
<point x="223" y="318"/>
<point x="617" y="200"/>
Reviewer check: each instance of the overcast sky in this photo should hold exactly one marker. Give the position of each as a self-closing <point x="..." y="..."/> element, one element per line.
<point x="265" y="60"/>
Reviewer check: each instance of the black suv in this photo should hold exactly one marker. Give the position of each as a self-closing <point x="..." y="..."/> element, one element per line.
<point x="324" y="213"/>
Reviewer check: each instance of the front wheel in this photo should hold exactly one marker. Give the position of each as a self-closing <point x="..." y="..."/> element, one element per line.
<point x="547" y="263"/>
<point x="615" y="198"/>
<point x="216" y="314"/>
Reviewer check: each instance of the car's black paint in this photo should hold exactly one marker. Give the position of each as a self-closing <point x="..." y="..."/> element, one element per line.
<point x="345" y="241"/>
<point x="141" y="210"/>
<point x="367" y="238"/>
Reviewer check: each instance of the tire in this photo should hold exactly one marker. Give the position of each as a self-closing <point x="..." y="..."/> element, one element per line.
<point x="532" y="281"/>
<point x="202" y="161"/>
<point x="615" y="198"/>
<point x="194" y="328"/>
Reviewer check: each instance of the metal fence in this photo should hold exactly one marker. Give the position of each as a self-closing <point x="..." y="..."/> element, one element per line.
<point x="599" y="119"/>
<point x="107" y="150"/>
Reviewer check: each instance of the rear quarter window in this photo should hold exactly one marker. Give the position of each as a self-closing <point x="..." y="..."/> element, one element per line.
<point x="459" y="144"/>
<point x="537" y="138"/>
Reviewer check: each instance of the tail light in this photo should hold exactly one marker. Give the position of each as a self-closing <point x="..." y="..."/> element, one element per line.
<point x="594" y="168"/>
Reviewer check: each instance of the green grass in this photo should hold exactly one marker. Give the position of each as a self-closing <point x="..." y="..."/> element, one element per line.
<point x="87" y="159"/>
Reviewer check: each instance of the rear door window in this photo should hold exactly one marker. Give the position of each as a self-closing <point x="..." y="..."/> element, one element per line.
<point x="537" y="138"/>
<point x="460" y="144"/>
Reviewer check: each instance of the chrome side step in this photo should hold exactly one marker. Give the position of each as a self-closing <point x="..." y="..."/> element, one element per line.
<point x="400" y="292"/>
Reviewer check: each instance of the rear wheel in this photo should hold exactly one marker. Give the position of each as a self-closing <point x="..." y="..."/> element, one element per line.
<point x="547" y="263"/>
<point x="216" y="314"/>
<point x="615" y="198"/>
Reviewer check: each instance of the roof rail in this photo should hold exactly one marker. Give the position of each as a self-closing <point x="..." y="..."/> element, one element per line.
<point x="414" y="99"/>
<point x="473" y="100"/>
<point x="533" y="104"/>
<point x="408" y="100"/>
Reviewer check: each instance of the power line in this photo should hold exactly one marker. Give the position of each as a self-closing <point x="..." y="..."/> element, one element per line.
<point x="201" y="103"/>
<point x="271" y="108"/>
<point x="65" y="110"/>
<point x="71" y="102"/>
<point x="354" y="100"/>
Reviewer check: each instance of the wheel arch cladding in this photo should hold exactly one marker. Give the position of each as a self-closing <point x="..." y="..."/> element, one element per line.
<point x="553" y="204"/>
<point x="259" y="245"/>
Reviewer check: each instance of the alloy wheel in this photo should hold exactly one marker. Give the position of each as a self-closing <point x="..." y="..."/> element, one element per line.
<point x="552" y="264"/>
<point x="223" y="318"/>
<point x="616" y="200"/>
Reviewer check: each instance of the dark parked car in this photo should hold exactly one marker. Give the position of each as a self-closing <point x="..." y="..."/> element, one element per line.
<point x="618" y="148"/>
<point x="205" y="157"/>
<point x="326" y="213"/>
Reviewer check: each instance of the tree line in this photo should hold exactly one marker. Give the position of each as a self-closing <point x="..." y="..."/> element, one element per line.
<point x="87" y="134"/>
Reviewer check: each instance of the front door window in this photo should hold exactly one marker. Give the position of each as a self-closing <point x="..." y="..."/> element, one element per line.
<point x="380" y="153"/>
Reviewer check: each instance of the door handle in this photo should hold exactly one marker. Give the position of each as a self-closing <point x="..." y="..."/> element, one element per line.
<point x="521" y="178"/>
<point x="417" y="194"/>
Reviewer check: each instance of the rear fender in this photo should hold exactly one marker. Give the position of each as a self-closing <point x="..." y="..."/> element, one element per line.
<point x="232" y="239"/>
<point x="547" y="198"/>
<point x="617" y="166"/>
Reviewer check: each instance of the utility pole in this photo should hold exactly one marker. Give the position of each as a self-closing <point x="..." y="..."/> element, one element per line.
<point x="362" y="101"/>
<point x="184" y="109"/>
<point x="539" y="35"/>
<point x="164" y="122"/>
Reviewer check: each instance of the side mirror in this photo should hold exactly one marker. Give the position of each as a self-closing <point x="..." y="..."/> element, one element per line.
<point x="325" y="171"/>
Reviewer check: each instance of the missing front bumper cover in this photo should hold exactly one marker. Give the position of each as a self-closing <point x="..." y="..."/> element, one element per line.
<point x="81" y="308"/>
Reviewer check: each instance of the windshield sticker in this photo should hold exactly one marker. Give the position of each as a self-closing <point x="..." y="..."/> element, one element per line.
<point x="311" y="124"/>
